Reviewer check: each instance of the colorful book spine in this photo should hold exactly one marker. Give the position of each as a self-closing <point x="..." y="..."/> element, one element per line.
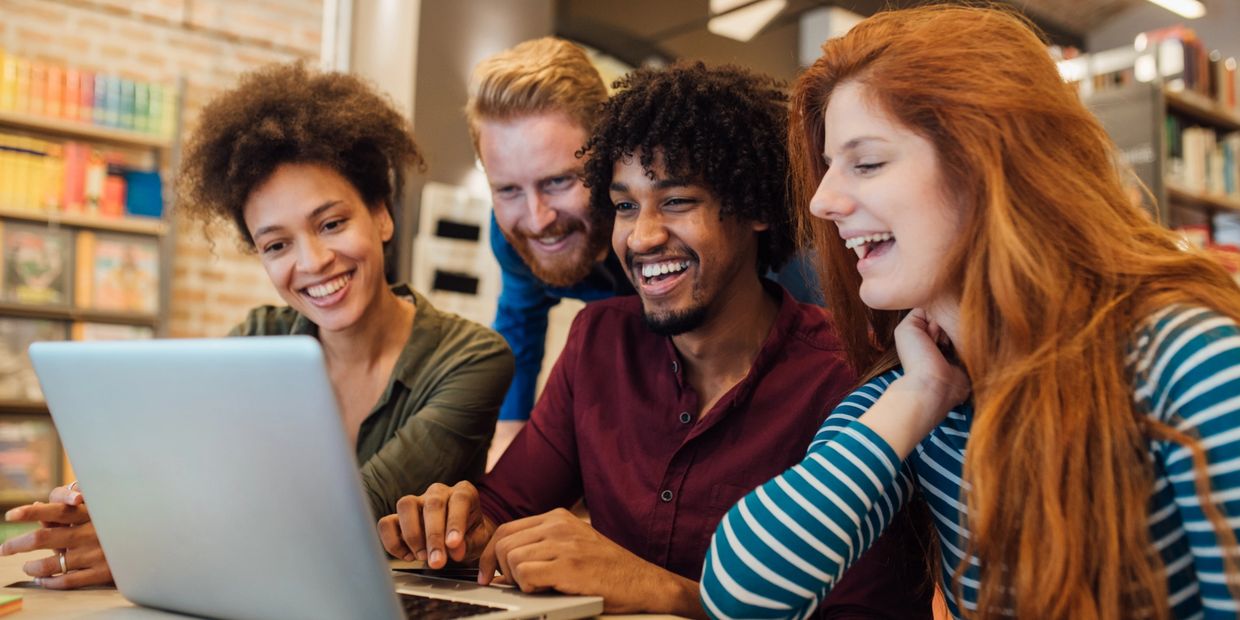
<point x="112" y="102"/>
<point x="142" y="107"/>
<point x="38" y="89"/>
<point x="72" y="98"/>
<point x="8" y="82"/>
<point x="168" y="118"/>
<point x="125" y="104"/>
<point x="99" y="105"/>
<point x="86" y="102"/>
<point x="54" y="95"/>
<point x="74" y="195"/>
<point x="21" y="97"/>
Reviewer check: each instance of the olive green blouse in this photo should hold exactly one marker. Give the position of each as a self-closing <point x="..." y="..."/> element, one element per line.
<point x="435" y="420"/>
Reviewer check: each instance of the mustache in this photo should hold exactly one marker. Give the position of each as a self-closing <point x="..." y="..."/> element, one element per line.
<point x="562" y="226"/>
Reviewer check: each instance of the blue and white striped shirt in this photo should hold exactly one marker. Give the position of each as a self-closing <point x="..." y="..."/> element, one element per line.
<point x="779" y="551"/>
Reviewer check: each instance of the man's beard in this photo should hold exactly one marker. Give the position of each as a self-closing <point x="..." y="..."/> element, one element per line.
<point x="677" y="322"/>
<point x="570" y="266"/>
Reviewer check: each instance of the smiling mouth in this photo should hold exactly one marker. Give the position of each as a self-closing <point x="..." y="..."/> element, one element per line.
<point x="868" y="245"/>
<point x="653" y="273"/>
<point x="550" y="240"/>
<point x="319" y="291"/>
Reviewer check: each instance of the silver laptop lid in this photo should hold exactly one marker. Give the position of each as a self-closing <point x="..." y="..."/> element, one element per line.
<point x="218" y="476"/>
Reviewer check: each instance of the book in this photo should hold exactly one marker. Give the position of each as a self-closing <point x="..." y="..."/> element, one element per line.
<point x="17" y="379"/>
<point x="10" y="603"/>
<point x="35" y="264"/>
<point x="54" y="101"/>
<point x="82" y="330"/>
<point x="8" y="82"/>
<point x="29" y="459"/>
<point x="86" y="102"/>
<point x="117" y="272"/>
<point x="72" y="97"/>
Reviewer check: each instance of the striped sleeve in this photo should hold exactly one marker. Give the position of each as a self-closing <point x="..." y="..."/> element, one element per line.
<point x="1188" y="376"/>
<point x="779" y="551"/>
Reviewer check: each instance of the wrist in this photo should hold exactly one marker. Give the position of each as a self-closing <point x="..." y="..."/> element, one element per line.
<point x="677" y="595"/>
<point x="904" y="415"/>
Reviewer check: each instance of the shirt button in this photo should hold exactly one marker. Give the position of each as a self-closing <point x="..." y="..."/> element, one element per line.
<point x="666" y="495"/>
<point x="675" y="366"/>
<point x="685" y="418"/>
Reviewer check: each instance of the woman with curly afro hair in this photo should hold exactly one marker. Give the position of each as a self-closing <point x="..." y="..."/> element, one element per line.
<point x="306" y="166"/>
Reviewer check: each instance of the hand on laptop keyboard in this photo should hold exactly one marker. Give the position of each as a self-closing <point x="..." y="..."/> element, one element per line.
<point x="558" y="551"/>
<point x="441" y="524"/>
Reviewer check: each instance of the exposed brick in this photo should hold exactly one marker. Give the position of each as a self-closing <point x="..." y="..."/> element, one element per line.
<point x="213" y="284"/>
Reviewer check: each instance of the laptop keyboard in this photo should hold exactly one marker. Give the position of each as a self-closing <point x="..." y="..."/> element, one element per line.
<point x="428" y="608"/>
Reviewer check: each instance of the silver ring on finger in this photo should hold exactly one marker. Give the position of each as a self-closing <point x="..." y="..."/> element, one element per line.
<point x="60" y="555"/>
<point x="72" y="485"/>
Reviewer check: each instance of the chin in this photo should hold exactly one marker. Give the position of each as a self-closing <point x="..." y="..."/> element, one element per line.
<point x="880" y="299"/>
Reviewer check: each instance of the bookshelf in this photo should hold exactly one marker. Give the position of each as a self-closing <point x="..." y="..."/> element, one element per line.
<point x="1137" y="118"/>
<point x="81" y="257"/>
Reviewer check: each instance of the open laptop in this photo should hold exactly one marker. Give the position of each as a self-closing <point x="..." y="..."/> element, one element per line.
<point x="221" y="484"/>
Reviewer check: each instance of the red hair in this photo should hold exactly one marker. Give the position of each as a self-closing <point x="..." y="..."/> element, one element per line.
<point x="1055" y="273"/>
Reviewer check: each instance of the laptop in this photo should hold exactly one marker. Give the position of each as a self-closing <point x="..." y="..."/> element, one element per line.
<point x="221" y="484"/>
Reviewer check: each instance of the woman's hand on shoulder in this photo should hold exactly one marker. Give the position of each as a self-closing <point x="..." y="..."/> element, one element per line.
<point x="931" y="385"/>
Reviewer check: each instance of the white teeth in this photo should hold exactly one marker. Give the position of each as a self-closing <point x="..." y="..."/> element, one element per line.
<point x="651" y="270"/>
<point x="327" y="288"/>
<point x="864" y="239"/>
<point x="551" y="240"/>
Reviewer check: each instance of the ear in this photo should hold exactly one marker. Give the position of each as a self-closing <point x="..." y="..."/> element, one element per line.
<point x="383" y="217"/>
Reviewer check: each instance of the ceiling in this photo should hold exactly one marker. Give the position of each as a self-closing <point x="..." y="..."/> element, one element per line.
<point x="636" y="31"/>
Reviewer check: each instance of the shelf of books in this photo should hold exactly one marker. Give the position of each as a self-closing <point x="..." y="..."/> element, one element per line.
<point x="1171" y="107"/>
<point x="84" y="241"/>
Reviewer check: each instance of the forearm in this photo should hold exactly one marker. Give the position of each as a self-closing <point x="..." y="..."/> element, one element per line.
<point x="675" y="595"/>
<point x="790" y="540"/>
<point x="902" y="416"/>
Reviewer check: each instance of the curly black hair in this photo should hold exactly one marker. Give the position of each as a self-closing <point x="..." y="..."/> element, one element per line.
<point x="286" y="113"/>
<point x="725" y="127"/>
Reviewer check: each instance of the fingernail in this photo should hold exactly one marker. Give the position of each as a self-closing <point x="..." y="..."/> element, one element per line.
<point x="436" y="556"/>
<point x="409" y="557"/>
<point x="454" y="536"/>
<point x="420" y="555"/>
<point x="38" y="581"/>
<point x="13" y="514"/>
<point x="74" y="496"/>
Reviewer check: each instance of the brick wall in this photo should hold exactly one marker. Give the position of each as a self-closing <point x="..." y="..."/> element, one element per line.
<point x="206" y="43"/>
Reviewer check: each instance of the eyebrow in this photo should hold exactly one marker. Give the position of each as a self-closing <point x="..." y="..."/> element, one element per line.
<point x="313" y="214"/>
<point x="661" y="184"/>
<point x="567" y="172"/>
<point x="852" y="144"/>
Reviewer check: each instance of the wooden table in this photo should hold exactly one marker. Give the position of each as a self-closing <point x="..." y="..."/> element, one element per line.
<point x="102" y="603"/>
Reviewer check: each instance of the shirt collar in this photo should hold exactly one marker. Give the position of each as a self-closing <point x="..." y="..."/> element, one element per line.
<point x="423" y="338"/>
<point x="788" y="321"/>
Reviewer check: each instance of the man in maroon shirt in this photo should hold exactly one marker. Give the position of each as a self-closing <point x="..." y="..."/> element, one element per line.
<point x="664" y="409"/>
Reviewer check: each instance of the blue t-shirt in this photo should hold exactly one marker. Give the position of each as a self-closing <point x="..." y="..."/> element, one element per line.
<point x="521" y="317"/>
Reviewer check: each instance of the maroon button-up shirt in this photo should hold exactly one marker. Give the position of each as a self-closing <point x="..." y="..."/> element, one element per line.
<point x="617" y="424"/>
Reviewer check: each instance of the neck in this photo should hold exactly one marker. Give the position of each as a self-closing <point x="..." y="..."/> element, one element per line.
<point x="726" y="345"/>
<point x="383" y="329"/>
<point x="945" y="312"/>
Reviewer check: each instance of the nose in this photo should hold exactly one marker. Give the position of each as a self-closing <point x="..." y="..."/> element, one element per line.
<point x="830" y="201"/>
<point x="648" y="232"/>
<point x="541" y="214"/>
<point x="313" y="256"/>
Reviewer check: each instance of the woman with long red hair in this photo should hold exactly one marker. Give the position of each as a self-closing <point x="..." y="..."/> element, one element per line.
<point x="1046" y="368"/>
